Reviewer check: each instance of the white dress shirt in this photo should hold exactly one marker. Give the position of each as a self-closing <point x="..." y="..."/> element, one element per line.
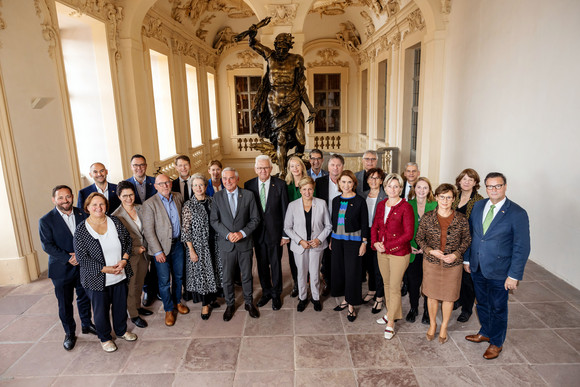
<point x="69" y="220"/>
<point x="103" y="191"/>
<point x="332" y="193"/>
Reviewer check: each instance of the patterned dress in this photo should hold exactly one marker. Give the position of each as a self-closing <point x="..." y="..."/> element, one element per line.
<point x="205" y="275"/>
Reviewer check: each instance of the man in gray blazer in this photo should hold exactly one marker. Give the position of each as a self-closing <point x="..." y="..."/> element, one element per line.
<point x="369" y="158"/>
<point x="234" y="217"/>
<point x="162" y="230"/>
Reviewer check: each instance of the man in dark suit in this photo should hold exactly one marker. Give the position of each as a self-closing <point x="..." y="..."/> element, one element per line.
<point x="410" y="176"/>
<point x="500" y="246"/>
<point x="234" y="217"/>
<point x="144" y="185"/>
<point x="327" y="190"/>
<point x="272" y="201"/>
<point x="56" y="235"/>
<point x="369" y="159"/>
<point x="183" y="184"/>
<point x="99" y="173"/>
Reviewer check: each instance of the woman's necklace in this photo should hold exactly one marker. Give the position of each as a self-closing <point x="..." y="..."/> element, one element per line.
<point x="93" y="222"/>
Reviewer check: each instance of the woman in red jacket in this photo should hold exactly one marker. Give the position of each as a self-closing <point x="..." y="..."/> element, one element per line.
<point x="391" y="236"/>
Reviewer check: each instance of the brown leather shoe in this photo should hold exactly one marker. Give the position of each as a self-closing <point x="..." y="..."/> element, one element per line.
<point x="182" y="309"/>
<point x="169" y="318"/>
<point x="476" y="338"/>
<point x="492" y="352"/>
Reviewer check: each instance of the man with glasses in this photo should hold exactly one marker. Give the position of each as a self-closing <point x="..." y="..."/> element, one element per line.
<point x="144" y="185"/>
<point x="369" y="159"/>
<point x="162" y="230"/>
<point x="500" y="235"/>
<point x="316" y="160"/>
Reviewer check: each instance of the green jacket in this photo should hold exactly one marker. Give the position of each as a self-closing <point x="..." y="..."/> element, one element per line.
<point x="294" y="192"/>
<point x="429" y="206"/>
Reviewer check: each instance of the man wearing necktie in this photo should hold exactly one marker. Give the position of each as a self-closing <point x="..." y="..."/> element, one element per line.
<point x="271" y="197"/>
<point x="234" y="217"/>
<point x="500" y="246"/>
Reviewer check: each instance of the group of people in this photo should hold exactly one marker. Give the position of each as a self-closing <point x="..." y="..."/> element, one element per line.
<point x="195" y="238"/>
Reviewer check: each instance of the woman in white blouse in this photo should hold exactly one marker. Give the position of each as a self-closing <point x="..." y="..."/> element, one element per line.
<point x="102" y="247"/>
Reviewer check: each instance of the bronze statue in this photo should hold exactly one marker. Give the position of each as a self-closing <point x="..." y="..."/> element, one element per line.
<point x="277" y="114"/>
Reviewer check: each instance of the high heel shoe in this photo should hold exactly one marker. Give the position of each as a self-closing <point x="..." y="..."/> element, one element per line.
<point x="443" y="340"/>
<point x="431" y="337"/>
<point x="368" y="297"/>
<point x="340" y="307"/>
<point x="351" y="316"/>
<point x="377" y="307"/>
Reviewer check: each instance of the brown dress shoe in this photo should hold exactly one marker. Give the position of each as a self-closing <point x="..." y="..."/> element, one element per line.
<point x="182" y="309"/>
<point x="492" y="352"/>
<point x="169" y="318"/>
<point x="476" y="338"/>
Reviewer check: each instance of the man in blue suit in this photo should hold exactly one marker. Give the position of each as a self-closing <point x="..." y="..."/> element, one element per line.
<point x="56" y="235"/>
<point x="99" y="173"/>
<point x="500" y="246"/>
<point x="144" y="185"/>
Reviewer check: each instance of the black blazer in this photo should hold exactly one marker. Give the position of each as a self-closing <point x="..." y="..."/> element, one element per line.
<point x="90" y="255"/>
<point x="321" y="191"/>
<point x="114" y="201"/>
<point x="356" y="217"/>
<point x="57" y="242"/>
<point x="150" y="189"/>
<point x="271" y="228"/>
<point x="176" y="188"/>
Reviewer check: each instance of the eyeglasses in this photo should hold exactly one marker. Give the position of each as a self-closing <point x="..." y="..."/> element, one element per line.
<point x="444" y="198"/>
<point x="164" y="184"/>
<point x="494" y="187"/>
<point x="375" y="178"/>
<point x="369" y="158"/>
<point x="139" y="165"/>
<point x="315" y="158"/>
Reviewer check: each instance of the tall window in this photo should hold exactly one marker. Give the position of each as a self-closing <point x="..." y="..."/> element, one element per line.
<point x="163" y="105"/>
<point x="327" y="100"/>
<point x="415" y="107"/>
<point x="363" y="103"/>
<point x="212" y="105"/>
<point x="246" y="88"/>
<point x="90" y="89"/>
<point x="382" y="100"/>
<point x="193" y="105"/>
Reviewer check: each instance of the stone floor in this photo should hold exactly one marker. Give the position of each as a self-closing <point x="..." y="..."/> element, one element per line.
<point x="287" y="348"/>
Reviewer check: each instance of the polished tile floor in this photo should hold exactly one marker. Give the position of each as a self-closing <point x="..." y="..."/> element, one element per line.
<point x="287" y="348"/>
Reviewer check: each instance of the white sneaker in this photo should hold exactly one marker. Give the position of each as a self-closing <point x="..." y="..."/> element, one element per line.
<point x="389" y="333"/>
<point x="109" y="346"/>
<point x="129" y="336"/>
<point x="383" y="320"/>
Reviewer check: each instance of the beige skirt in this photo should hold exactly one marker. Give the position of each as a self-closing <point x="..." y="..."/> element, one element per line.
<point x="441" y="283"/>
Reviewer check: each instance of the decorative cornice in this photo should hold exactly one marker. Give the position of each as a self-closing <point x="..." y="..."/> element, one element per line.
<point x="181" y="47"/>
<point x="49" y="32"/>
<point x="328" y="56"/>
<point x="416" y="21"/>
<point x="247" y="57"/>
<point x="154" y="29"/>
<point x="282" y="14"/>
<point x="208" y="59"/>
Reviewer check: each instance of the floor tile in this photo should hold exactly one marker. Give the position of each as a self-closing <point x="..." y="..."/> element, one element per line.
<point x="266" y="353"/>
<point x="157" y="380"/>
<point x="11" y="353"/>
<point x="520" y="317"/>
<point x="271" y="323"/>
<point x="217" y="327"/>
<point x="156" y="356"/>
<point x="556" y="314"/>
<point x="42" y="286"/>
<point x="211" y="354"/>
<point x="6" y="319"/>
<point x="48" y="304"/>
<point x="542" y="346"/>
<point x="265" y="379"/>
<point x="92" y="360"/>
<point x="5" y="290"/>
<point x="28" y="382"/>
<point x="156" y="329"/>
<point x="324" y="351"/>
<point x="560" y="374"/>
<point x="17" y="304"/>
<point x="473" y="352"/>
<point x="204" y="379"/>
<point x="510" y="375"/>
<point x="311" y="322"/>
<point x="447" y="376"/>
<point x="571" y="336"/>
<point x="325" y="378"/>
<point x="394" y="377"/>
<point x="563" y="289"/>
<point x="84" y="380"/>
<point x="37" y="361"/>
<point x="28" y="328"/>
<point x="373" y="351"/>
<point x="534" y="292"/>
<point x="423" y="353"/>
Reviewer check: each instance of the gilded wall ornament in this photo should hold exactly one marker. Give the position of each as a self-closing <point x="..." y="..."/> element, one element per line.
<point x="247" y="58"/>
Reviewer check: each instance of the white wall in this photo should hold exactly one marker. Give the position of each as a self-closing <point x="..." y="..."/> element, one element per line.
<point x="511" y="100"/>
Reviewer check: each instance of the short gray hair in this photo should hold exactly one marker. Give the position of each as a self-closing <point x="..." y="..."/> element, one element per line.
<point x="229" y="169"/>
<point x="199" y="176"/>
<point x="263" y="158"/>
<point x="373" y="152"/>
<point x="412" y="164"/>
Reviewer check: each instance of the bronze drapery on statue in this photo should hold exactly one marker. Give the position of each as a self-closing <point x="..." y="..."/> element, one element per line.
<point x="276" y="113"/>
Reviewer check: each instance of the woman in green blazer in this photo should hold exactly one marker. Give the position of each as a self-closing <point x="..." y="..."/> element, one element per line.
<point x="422" y="200"/>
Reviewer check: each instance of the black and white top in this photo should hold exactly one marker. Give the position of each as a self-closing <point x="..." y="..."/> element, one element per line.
<point x="89" y="254"/>
<point x="111" y="247"/>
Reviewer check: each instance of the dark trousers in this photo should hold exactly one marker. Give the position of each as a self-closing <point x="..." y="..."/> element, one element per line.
<point x="65" y="293"/>
<point x="467" y="293"/>
<point x="346" y="271"/>
<point x="415" y="279"/>
<point x="112" y="300"/>
<point x="151" y="286"/>
<point x="268" y="259"/>
<point x="231" y="260"/>
<point x="492" y="307"/>
<point x="372" y="267"/>
<point x="379" y="285"/>
<point x="326" y="267"/>
<point x="170" y="275"/>
<point x="293" y="268"/>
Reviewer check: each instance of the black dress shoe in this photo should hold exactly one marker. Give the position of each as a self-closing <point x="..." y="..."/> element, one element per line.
<point x="144" y="312"/>
<point x="302" y="305"/>
<point x="69" y="342"/>
<point x="294" y="291"/>
<point x="276" y="303"/>
<point x="146" y="300"/>
<point x="404" y="290"/>
<point x="463" y="317"/>
<point x="252" y="311"/>
<point x="138" y="321"/>
<point x="229" y="313"/>
<point x="214" y="305"/>
<point x="317" y="305"/>
<point x="411" y="315"/>
<point x="425" y="320"/>
<point x="264" y="300"/>
<point x="92" y="329"/>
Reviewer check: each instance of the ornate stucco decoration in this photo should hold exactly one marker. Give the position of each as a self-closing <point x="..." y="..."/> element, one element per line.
<point x="154" y="29"/>
<point x="207" y="59"/>
<point x="181" y="47"/>
<point x="247" y="57"/>
<point x="446" y="7"/>
<point x="224" y="39"/>
<point x="416" y="21"/>
<point x="328" y="56"/>
<point x="395" y="40"/>
<point x="348" y="36"/>
<point x="282" y="15"/>
<point x="392" y="7"/>
<point x="49" y="32"/>
<point x="331" y="7"/>
<point x="369" y="25"/>
<point x="201" y="33"/>
<point x="183" y="10"/>
<point x="375" y="5"/>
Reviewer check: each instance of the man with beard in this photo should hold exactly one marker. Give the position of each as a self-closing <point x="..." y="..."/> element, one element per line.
<point x="98" y="172"/>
